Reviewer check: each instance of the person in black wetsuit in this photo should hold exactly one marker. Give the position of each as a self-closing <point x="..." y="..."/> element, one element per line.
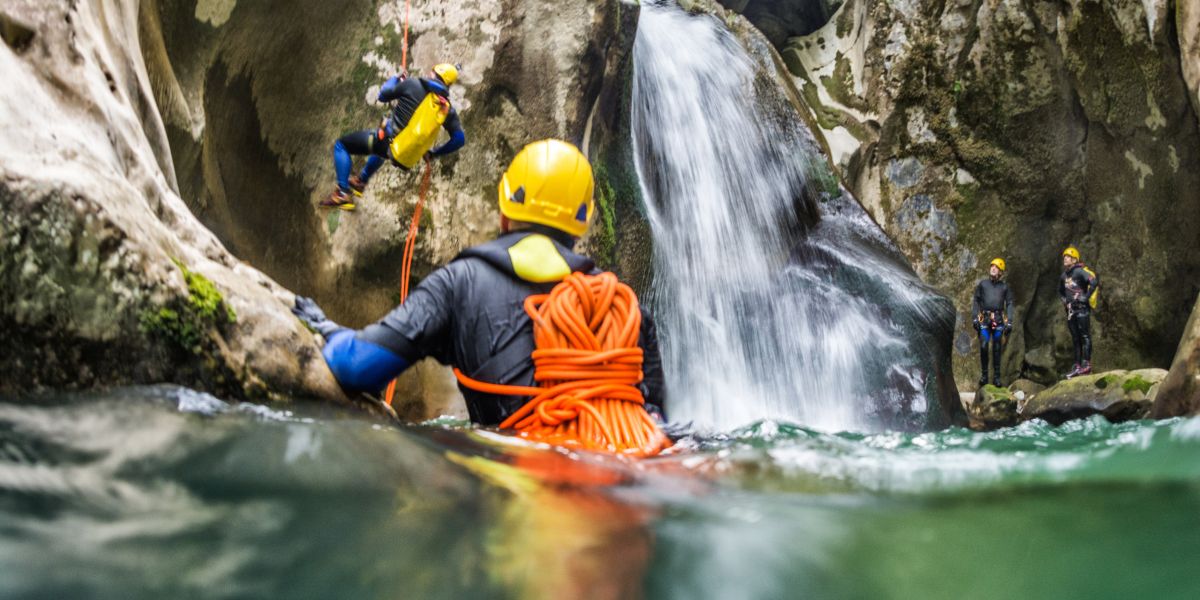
<point x="992" y="306"/>
<point x="407" y="93"/>
<point x="470" y="313"/>
<point x="1077" y="288"/>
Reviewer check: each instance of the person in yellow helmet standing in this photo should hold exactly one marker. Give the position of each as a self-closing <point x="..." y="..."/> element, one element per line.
<point x="421" y="108"/>
<point x="470" y="313"/>
<point x="992" y="306"/>
<point x="1078" y="287"/>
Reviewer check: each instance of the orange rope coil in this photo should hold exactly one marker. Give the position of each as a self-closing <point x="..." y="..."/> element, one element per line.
<point x="587" y="366"/>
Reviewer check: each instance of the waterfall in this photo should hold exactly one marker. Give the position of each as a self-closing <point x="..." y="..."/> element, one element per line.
<point x="766" y="311"/>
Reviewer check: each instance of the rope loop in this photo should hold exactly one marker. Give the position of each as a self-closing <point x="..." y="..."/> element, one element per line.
<point x="587" y="366"/>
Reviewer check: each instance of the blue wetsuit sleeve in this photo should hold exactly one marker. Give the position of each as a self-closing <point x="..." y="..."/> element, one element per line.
<point x="390" y="90"/>
<point x="457" y="140"/>
<point x="458" y="137"/>
<point x="359" y="365"/>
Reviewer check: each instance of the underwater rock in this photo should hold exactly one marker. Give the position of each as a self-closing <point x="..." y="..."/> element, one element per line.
<point x="1180" y="391"/>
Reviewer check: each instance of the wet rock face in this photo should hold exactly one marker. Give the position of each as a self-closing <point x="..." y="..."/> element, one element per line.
<point x="1180" y="393"/>
<point x="253" y="101"/>
<point x="253" y="104"/>
<point x="1187" y="24"/>
<point x="783" y="19"/>
<point x="105" y="276"/>
<point x="973" y="129"/>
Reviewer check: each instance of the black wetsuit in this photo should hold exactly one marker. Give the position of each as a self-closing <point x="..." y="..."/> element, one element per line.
<point x="992" y="307"/>
<point x="470" y="314"/>
<point x="407" y="94"/>
<point x="1075" y="288"/>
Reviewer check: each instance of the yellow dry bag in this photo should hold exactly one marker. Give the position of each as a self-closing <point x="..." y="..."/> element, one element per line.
<point x="418" y="136"/>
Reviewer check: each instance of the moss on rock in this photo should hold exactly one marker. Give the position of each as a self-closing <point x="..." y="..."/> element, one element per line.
<point x="187" y="322"/>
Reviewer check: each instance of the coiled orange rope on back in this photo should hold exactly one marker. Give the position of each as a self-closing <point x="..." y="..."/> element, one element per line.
<point x="587" y="366"/>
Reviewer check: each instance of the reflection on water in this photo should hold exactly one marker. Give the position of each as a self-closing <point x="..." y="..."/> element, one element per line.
<point x="163" y="492"/>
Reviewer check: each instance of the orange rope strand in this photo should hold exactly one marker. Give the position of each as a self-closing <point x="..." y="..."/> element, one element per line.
<point x="404" y="47"/>
<point x="410" y="245"/>
<point x="411" y="241"/>
<point x="587" y="366"/>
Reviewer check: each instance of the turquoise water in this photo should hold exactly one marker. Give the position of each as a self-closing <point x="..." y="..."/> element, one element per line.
<point x="165" y="492"/>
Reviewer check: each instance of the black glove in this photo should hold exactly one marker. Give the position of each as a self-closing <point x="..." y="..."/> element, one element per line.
<point x="306" y="310"/>
<point x="1007" y="327"/>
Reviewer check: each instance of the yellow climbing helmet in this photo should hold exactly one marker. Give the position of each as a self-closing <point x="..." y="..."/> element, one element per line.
<point x="549" y="183"/>
<point x="447" y="72"/>
<point x="1072" y="252"/>
<point x="998" y="262"/>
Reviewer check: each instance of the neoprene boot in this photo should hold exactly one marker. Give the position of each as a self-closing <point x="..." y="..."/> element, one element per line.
<point x="1085" y="369"/>
<point x="338" y="199"/>
<point x="1073" y="372"/>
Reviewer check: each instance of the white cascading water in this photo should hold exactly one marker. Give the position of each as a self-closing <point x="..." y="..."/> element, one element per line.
<point x="748" y="332"/>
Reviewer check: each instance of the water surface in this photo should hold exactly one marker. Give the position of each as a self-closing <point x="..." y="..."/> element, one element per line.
<point x="166" y="492"/>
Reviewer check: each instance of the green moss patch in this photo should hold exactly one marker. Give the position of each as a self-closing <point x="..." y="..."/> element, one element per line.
<point x="998" y="393"/>
<point x="1136" y="383"/>
<point x="605" y="238"/>
<point x="186" y="322"/>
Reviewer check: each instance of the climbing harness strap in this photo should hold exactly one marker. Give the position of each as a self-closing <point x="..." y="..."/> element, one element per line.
<point x="587" y="364"/>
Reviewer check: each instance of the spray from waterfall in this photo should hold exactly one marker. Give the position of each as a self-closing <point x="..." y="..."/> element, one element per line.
<point x="757" y="319"/>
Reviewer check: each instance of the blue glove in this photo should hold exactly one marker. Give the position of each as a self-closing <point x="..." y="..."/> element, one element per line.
<point x="306" y="310"/>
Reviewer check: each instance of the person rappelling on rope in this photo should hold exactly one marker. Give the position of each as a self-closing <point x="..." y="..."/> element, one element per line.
<point x="473" y="313"/>
<point x="1078" y="288"/>
<point x="421" y="108"/>
<point x="992" y="306"/>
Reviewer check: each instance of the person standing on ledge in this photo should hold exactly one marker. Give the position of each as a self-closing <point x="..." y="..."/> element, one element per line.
<point x="470" y="313"/>
<point x="422" y="108"/>
<point x="1078" y="287"/>
<point x="992" y="306"/>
